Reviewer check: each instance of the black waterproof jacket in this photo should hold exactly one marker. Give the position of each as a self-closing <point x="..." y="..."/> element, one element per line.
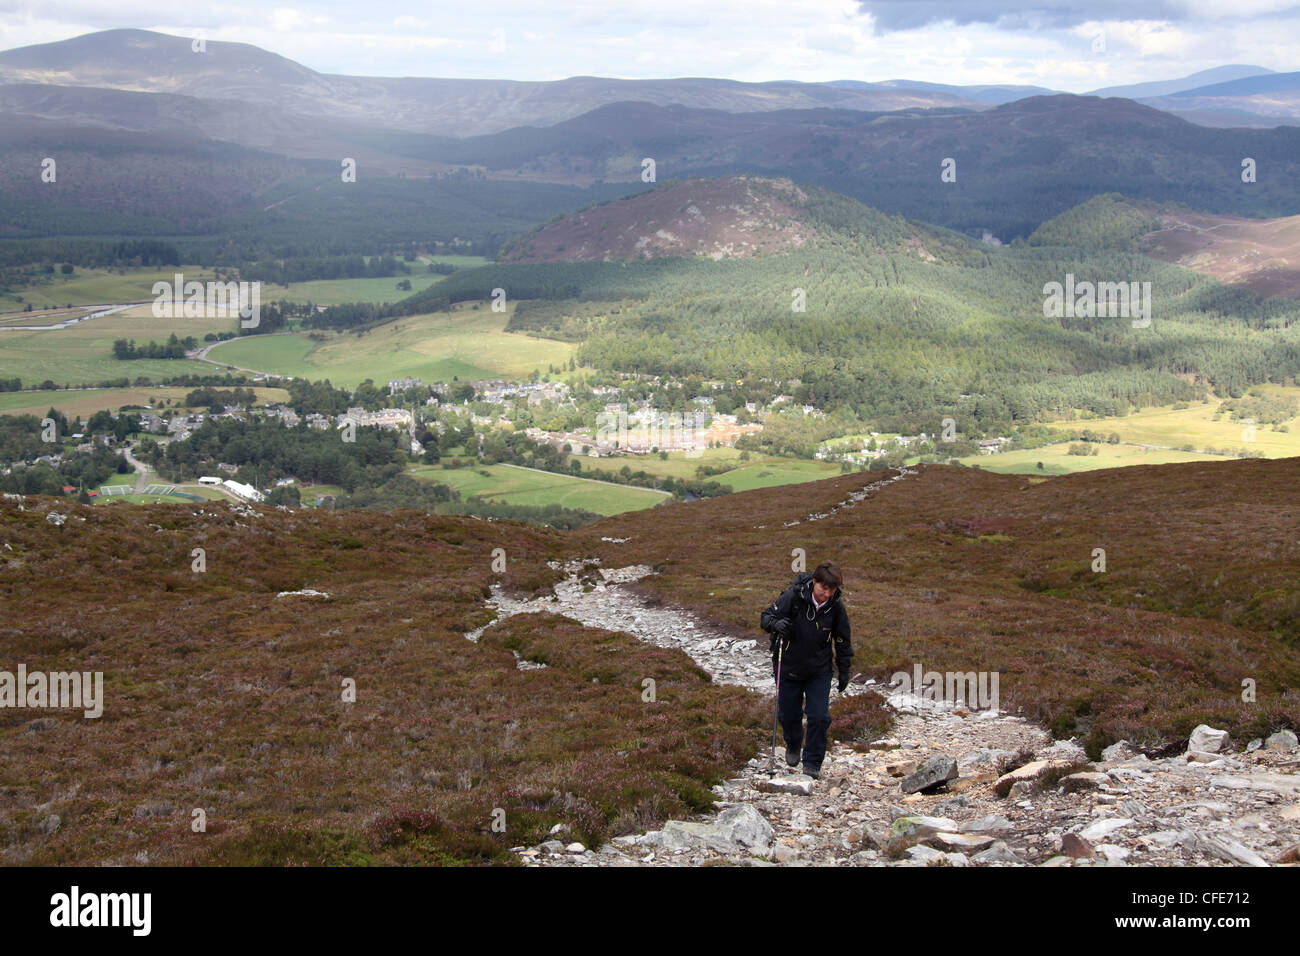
<point x="818" y="642"/>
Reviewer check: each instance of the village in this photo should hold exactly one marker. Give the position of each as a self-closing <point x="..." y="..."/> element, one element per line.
<point x="619" y="426"/>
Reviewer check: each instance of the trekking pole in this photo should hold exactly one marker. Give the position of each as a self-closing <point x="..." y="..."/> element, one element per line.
<point x="776" y="708"/>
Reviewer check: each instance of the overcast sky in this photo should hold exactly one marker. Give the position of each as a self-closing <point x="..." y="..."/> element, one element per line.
<point x="1049" y="43"/>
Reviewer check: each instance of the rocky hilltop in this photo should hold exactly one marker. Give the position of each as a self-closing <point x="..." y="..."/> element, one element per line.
<point x="727" y="218"/>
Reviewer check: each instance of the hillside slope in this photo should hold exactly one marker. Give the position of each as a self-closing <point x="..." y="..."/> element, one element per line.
<point x="221" y="692"/>
<point x="725" y="218"/>
<point x="972" y="571"/>
<point x="1262" y="255"/>
<point x="730" y="217"/>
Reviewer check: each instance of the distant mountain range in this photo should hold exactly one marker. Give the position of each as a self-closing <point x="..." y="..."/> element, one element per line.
<point x="240" y="141"/>
<point x="1220" y="74"/>
<point x="142" y="61"/>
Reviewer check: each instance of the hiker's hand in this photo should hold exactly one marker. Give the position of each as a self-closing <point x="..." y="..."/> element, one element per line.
<point x="782" y="628"/>
<point x="844" y="682"/>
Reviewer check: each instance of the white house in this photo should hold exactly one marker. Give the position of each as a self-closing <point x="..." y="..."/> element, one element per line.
<point x="209" y="480"/>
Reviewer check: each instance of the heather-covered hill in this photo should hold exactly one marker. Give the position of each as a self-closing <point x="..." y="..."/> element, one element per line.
<point x="730" y="217"/>
<point x="1259" y="254"/>
<point x="224" y="694"/>
<point x="962" y="570"/>
<point x="1255" y="254"/>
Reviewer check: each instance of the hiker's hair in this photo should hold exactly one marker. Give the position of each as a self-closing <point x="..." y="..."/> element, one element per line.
<point x="828" y="574"/>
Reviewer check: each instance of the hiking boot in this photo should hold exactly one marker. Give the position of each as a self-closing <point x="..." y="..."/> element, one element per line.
<point x="792" y="757"/>
<point x="813" y="772"/>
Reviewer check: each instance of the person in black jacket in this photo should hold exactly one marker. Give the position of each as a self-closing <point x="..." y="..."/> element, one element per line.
<point x="811" y="625"/>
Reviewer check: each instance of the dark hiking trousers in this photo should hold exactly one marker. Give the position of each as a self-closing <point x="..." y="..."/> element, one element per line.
<point x="809" y="696"/>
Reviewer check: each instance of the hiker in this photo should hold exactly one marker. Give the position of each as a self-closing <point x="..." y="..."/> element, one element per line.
<point x="811" y="627"/>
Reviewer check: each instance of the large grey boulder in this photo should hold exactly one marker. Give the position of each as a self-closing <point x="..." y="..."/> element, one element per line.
<point x="737" y="829"/>
<point x="1076" y="782"/>
<point x="984" y="824"/>
<point x="1119" y="751"/>
<point x="984" y="759"/>
<point x="915" y="827"/>
<point x="935" y="771"/>
<point x="1283" y="740"/>
<point x="744" y="826"/>
<point x="1206" y="739"/>
<point x="1064" y="750"/>
<point x="998" y="853"/>
<point x="1030" y="771"/>
<point x="959" y="842"/>
<point x="1098" y="829"/>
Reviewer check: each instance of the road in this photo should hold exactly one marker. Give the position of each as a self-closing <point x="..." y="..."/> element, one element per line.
<point x="141" y="471"/>
<point x="106" y="310"/>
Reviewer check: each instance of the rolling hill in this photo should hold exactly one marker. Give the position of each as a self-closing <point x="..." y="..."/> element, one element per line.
<point x="874" y="314"/>
<point x="1261" y="255"/>
<point x="144" y="61"/>
<point x="1220" y="74"/>
<point x="122" y="93"/>
<point x="732" y="217"/>
<point x="1267" y="99"/>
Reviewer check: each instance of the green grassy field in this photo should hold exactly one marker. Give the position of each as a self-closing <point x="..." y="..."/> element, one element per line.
<point x="341" y="291"/>
<point x="1057" y="461"/>
<point x="203" y="491"/>
<point x="83" y="353"/>
<point x="1195" y="424"/>
<point x="467" y="342"/>
<point x="511" y="485"/>
<point x="199" y="491"/>
<point x="460" y="262"/>
<point x="98" y="287"/>
<point x="676" y="465"/>
<point x="310" y="493"/>
<point x="86" y="403"/>
<point x="761" y="471"/>
<point x="93" y="287"/>
<point x="777" y="471"/>
<point x="101" y="286"/>
<point x="505" y="484"/>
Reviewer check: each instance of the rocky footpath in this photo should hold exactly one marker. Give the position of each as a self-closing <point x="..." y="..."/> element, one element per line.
<point x="1129" y="810"/>
<point x="591" y="595"/>
<point x="951" y="786"/>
